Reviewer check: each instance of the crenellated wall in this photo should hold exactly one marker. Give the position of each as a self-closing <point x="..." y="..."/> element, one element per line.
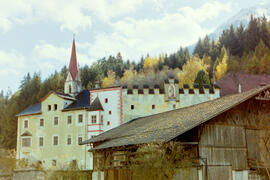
<point x="138" y="102"/>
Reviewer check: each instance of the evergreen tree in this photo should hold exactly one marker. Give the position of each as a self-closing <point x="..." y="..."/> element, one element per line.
<point x="264" y="32"/>
<point x="253" y="34"/>
<point x="202" y="78"/>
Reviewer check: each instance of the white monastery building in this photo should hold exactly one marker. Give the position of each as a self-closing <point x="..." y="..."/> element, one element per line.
<point x="49" y="132"/>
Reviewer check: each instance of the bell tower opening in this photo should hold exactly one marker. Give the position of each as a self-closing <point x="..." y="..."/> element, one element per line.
<point x="73" y="81"/>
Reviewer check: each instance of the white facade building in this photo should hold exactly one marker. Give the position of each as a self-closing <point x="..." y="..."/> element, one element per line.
<point x="49" y="132"/>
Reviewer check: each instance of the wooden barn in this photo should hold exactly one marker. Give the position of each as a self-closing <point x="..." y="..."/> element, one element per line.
<point x="229" y="136"/>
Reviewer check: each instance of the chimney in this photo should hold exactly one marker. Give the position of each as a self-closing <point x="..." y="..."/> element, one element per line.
<point x="239" y="88"/>
<point x="97" y="85"/>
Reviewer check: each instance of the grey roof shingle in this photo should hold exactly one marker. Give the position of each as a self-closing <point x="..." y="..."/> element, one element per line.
<point x="169" y="125"/>
<point x="82" y="101"/>
<point x="34" y="109"/>
<point x="96" y="105"/>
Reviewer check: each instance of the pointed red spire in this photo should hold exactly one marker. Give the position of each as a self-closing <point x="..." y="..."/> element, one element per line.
<point x="73" y="66"/>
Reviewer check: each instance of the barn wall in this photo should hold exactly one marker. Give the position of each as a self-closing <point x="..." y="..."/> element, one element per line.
<point x="224" y="145"/>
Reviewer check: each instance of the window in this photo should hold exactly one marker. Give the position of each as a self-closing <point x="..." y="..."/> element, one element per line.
<point x="93" y="136"/>
<point x="55" y="107"/>
<point x="49" y="107"/>
<point x="41" y="122"/>
<point x="69" y="140"/>
<point x="55" y="140"/>
<point x="132" y="107"/>
<point x="55" y="121"/>
<point x="101" y="119"/>
<point x="69" y="88"/>
<point x="110" y="112"/>
<point x="25" y="124"/>
<point x="80" y="118"/>
<point x="174" y="106"/>
<point x="26" y="142"/>
<point x="69" y="119"/>
<point x="106" y="100"/>
<point x="94" y="119"/>
<point x="79" y="140"/>
<point x="41" y="141"/>
<point x="54" y="162"/>
<point x="108" y="123"/>
<point x="153" y="106"/>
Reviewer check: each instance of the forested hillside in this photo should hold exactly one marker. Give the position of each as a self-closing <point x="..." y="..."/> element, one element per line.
<point x="238" y="49"/>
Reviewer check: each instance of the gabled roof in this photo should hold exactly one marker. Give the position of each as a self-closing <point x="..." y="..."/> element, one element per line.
<point x="229" y="83"/>
<point x="96" y="105"/>
<point x="82" y="101"/>
<point x="73" y="66"/>
<point x="34" y="109"/>
<point x="169" y="125"/>
<point x="59" y="94"/>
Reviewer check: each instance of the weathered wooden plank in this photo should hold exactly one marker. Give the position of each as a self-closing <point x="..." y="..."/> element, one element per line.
<point x="258" y="142"/>
<point x="219" y="135"/>
<point x="219" y="172"/>
<point x="237" y="158"/>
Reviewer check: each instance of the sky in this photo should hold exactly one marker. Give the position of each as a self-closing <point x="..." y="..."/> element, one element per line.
<point x="36" y="36"/>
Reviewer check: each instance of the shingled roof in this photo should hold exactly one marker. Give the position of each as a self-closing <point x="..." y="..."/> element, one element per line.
<point x="96" y="105"/>
<point x="82" y="101"/>
<point x="34" y="109"/>
<point x="169" y="125"/>
<point x="229" y="83"/>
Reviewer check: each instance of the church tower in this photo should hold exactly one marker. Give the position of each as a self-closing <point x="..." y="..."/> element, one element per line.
<point x="73" y="83"/>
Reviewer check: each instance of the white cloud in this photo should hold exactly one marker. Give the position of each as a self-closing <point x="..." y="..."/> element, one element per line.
<point x="49" y="51"/>
<point x="73" y="15"/>
<point x="45" y="58"/>
<point x="5" y="24"/>
<point x="11" y="62"/>
<point x="135" y="38"/>
<point x="207" y="11"/>
<point x="61" y="55"/>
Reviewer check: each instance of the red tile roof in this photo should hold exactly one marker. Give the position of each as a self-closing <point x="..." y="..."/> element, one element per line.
<point x="73" y="66"/>
<point x="229" y="83"/>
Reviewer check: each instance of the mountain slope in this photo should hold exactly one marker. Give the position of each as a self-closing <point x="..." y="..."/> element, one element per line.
<point x="243" y="16"/>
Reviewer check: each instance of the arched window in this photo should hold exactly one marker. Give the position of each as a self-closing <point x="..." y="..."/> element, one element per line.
<point x="69" y="88"/>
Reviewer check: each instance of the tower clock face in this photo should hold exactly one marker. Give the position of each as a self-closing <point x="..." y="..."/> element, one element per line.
<point x="171" y="91"/>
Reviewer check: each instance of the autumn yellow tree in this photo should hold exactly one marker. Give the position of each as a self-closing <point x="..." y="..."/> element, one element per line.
<point x="150" y="64"/>
<point x="190" y="70"/>
<point x="109" y="80"/>
<point x="221" y="66"/>
<point x="129" y="75"/>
